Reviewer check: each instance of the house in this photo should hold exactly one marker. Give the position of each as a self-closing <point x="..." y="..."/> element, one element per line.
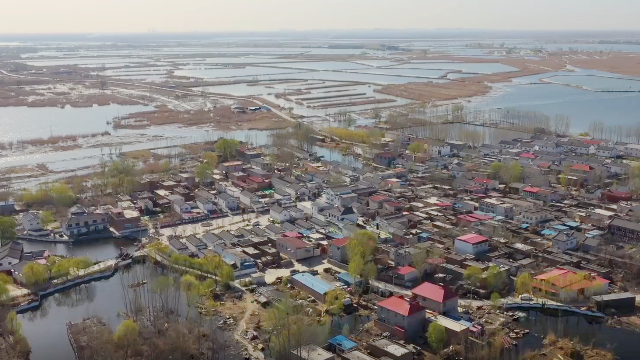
<point x="10" y="254"/>
<point x="312" y="285"/>
<point x="178" y="204"/>
<point x="632" y="150"/>
<point x="31" y="222"/>
<point x="252" y="201"/>
<point x="126" y="221"/>
<point x="341" y="215"/>
<point x="402" y="318"/>
<point x="437" y="298"/>
<point x="565" y="240"/>
<point x="625" y="230"/>
<point x="439" y="148"/>
<point x="340" y="196"/>
<point x="471" y="244"/>
<point x="407" y="274"/>
<point x="194" y="243"/>
<point x="81" y="222"/>
<point x="296" y="249"/>
<point x="227" y="201"/>
<point x="486" y="183"/>
<point x="385" y="159"/>
<point x="205" y="204"/>
<point x="263" y="164"/>
<point x="280" y="214"/>
<point x="231" y="166"/>
<point x="567" y="285"/>
<point x="338" y="250"/>
<point x="607" y="151"/>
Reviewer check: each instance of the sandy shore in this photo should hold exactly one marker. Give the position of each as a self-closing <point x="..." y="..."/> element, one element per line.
<point x="427" y="91"/>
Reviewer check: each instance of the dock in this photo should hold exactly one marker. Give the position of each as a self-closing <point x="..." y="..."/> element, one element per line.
<point x="554" y="308"/>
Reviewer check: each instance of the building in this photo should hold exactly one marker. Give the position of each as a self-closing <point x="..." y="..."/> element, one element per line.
<point x="384" y="348"/>
<point x="81" y="222"/>
<point x="279" y="214"/>
<point x="471" y="244"/>
<point x="338" y="250"/>
<point x="226" y="201"/>
<point x="437" y="298"/>
<point x="10" y="254"/>
<point x="620" y="302"/>
<point x="565" y="240"/>
<point x="567" y="285"/>
<point x="231" y="166"/>
<point x="402" y="318"/>
<point x="125" y="221"/>
<point x="312" y="285"/>
<point x="31" y="222"/>
<point x="632" y="150"/>
<point x="296" y="249"/>
<point x="263" y="164"/>
<point x="311" y="352"/>
<point x="625" y="230"/>
<point x="384" y="158"/>
<point x="407" y="274"/>
<point x="486" y="183"/>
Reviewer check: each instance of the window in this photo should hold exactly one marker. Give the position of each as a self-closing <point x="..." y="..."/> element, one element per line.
<point x="86" y="223"/>
<point x="77" y="224"/>
<point x="95" y="221"/>
<point x="69" y="225"/>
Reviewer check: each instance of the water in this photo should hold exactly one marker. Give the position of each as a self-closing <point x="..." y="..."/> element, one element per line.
<point x="481" y="68"/>
<point x="96" y="250"/>
<point x="431" y="74"/>
<point x="325" y="65"/>
<point x="581" y="106"/>
<point x="20" y="123"/>
<point x="85" y="62"/>
<point x="597" y="83"/>
<point x="476" y="135"/>
<point x="248" y="71"/>
<point x="623" y="343"/>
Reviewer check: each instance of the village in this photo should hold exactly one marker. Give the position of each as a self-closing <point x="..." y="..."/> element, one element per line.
<point x="436" y="247"/>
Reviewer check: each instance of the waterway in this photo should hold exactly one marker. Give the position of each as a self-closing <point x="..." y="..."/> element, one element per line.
<point x="45" y="328"/>
<point x="96" y="250"/>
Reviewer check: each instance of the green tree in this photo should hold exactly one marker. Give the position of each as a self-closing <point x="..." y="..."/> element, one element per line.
<point x="210" y="158"/>
<point x="473" y="275"/>
<point x="334" y="301"/>
<point x="363" y="242"/>
<point x="356" y="265"/>
<point x="7" y="229"/>
<point x="496" y="169"/>
<point x="126" y="336"/>
<point x="524" y="283"/>
<point x="514" y="172"/>
<point x="35" y="273"/>
<point x="47" y="218"/>
<point x="495" y="277"/>
<point x="204" y="172"/>
<point x="226" y="274"/>
<point x="416" y="148"/>
<point x="495" y="298"/>
<point x="227" y="147"/>
<point x="564" y="180"/>
<point x="436" y="336"/>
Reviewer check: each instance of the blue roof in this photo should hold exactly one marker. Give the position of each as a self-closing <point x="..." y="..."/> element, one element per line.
<point x="343" y="342"/>
<point x="572" y="223"/>
<point x="335" y="235"/>
<point x="305" y="232"/>
<point x="346" y="277"/>
<point x="524" y="226"/>
<point x="548" y="232"/>
<point x="560" y="227"/>
<point x="314" y="283"/>
<point x="593" y="233"/>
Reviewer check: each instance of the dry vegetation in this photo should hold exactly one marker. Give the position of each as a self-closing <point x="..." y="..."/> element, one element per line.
<point x="567" y="349"/>
<point x="618" y="63"/>
<point x="429" y="91"/>
<point x="222" y="118"/>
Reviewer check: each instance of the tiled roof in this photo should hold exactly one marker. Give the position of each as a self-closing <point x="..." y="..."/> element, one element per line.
<point x="472" y="238"/>
<point x="400" y="305"/>
<point x="434" y="292"/>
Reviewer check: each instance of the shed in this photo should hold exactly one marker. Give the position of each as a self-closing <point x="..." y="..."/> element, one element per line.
<point x="341" y="343"/>
<point x="622" y="302"/>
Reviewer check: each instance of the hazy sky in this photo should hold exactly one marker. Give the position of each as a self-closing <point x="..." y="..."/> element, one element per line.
<point x="56" y="16"/>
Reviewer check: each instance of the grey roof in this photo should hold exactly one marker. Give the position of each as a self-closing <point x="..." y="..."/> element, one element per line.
<point x="12" y="249"/>
<point x="274" y="229"/>
<point x="224" y="196"/>
<point x="277" y="209"/>
<point x="625" y="224"/>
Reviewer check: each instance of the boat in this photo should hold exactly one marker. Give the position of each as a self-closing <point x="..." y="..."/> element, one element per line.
<point x="137" y="284"/>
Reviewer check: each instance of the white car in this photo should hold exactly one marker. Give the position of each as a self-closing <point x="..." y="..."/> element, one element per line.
<point x="526" y="297"/>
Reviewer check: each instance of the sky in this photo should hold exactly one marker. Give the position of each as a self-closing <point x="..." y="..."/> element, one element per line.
<point x="126" y="16"/>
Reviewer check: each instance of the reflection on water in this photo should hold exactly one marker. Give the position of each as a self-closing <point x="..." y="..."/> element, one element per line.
<point x="97" y="250"/>
<point x="471" y="134"/>
<point x="623" y="343"/>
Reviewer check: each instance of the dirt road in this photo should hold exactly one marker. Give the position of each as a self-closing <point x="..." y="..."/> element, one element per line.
<point x="239" y="333"/>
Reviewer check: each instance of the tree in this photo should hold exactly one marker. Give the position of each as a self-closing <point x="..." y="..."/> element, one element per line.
<point x="436" y="336"/>
<point x="564" y="180"/>
<point x="495" y="277"/>
<point x="363" y="242"/>
<point x="227" y="147"/>
<point x="416" y="148"/>
<point x="334" y="301"/>
<point x="204" y="172"/>
<point x="496" y="169"/>
<point x="7" y="229"/>
<point x="495" y="298"/>
<point x="35" y="273"/>
<point x="473" y="275"/>
<point x="126" y="336"/>
<point x="349" y="121"/>
<point x="524" y="283"/>
<point x="210" y="158"/>
<point x="47" y="218"/>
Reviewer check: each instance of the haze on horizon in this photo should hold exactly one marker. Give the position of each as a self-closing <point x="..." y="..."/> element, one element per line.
<point x="128" y="16"/>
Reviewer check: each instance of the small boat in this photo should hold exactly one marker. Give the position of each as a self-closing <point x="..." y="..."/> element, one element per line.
<point x="137" y="284"/>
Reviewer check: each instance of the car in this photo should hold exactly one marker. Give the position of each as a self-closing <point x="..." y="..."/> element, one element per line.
<point x="256" y="223"/>
<point x="526" y="297"/>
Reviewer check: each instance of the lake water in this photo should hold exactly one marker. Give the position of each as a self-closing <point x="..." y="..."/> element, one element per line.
<point x="20" y="123"/>
<point x="96" y="250"/>
<point x="597" y="83"/>
<point x="481" y="68"/>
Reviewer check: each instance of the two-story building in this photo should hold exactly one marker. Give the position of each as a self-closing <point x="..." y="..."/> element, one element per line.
<point x="471" y="244"/>
<point x="403" y="318"/>
<point x="81" y="222"/>
<point x="437" y="298"/>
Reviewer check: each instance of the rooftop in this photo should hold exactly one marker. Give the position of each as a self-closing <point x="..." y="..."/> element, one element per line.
<point x="472" y="238"/>
<point x="434" y="292"/>
<point x="400" y="305"/>
<point x="313" y="282"/>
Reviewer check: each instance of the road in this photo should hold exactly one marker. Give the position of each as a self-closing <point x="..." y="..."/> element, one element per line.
<point x="250" y="306"/>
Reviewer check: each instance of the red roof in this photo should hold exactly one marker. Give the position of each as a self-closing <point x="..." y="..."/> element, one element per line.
<point x="483" y="180"/>
<point x="295" y="243"/>
<point x="378" y="197"/>
<point x="481" y="217"/>
<point x="472" y="238"/>
<point x="255" y="179"/>
<point x="436" y="261"/>
<point x="527" y="155"/>
<point x="340" y="242"/>
<point x="400" y="305"/>
<point x="405" y="270"/>
<point x="544" y="165"/>
<point x="581" y="167"/>
<point x="467" y="218"/>
<point x="444" y="204"/>
<point x="434" y="292"/>
<point x="393" y="203"/>
<point x="592" y="142"/>
<point x="531" y="189"/>
<point x="292" y="234"/>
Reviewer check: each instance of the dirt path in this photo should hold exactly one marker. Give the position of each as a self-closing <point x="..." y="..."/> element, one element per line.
<point x="239" y="333"/>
